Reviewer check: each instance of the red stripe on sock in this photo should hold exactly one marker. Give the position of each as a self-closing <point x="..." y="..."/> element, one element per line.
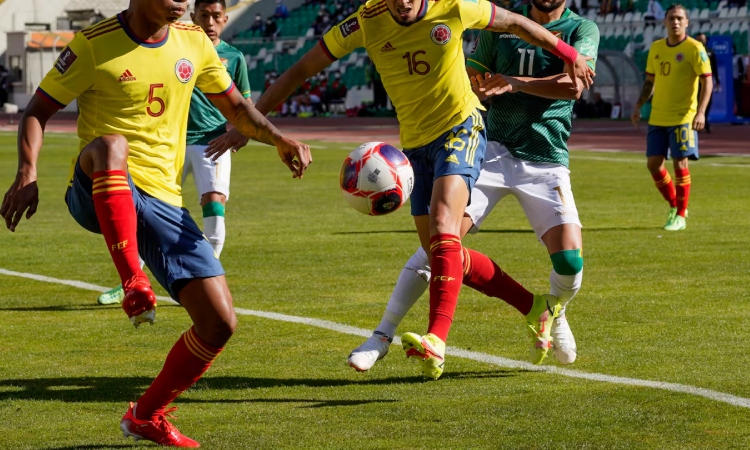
<point x="683" y="190"/>
<point x="115" y="211"/>
<point x="188" y="360"/>
<point x="665" y="185"/>
<point x="484" y="275"/>
<point x="445" y="284"/>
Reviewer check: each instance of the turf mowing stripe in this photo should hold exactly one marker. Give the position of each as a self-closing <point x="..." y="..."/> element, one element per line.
<point x="453" y="351"/>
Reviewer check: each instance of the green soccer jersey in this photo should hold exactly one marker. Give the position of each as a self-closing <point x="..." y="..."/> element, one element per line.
<point x="205" y="122"/>
<point x="532" y="128"/>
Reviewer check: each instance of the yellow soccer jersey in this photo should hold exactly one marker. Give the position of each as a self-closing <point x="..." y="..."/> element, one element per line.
<point x="422" y="65"/>
<point x="140" y="90"/>
<point x="676" y="69"/>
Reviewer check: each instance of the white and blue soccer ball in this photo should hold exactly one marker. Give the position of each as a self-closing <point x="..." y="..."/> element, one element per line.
<point x="376" y="178"/>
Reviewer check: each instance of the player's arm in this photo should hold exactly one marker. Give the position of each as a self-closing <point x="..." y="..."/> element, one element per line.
<point x="312" y="62"/>
<point x="535" y="34"/>
<point x="23" y="195"/>
<point x="254" y="125"/>
<point x="707" y="88"/>
<point x="647" y="90"/>
<point x="702" y="67"/>
<point x="554" y="87"/>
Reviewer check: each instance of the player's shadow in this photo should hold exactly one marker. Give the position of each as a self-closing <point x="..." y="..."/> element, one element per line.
<point x="634" y="228"/>
<point x="414" y="231"/>
<point x="119" y="389"/>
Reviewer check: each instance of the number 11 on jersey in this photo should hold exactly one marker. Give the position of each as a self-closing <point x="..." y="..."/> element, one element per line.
<point x="524" y="52"/>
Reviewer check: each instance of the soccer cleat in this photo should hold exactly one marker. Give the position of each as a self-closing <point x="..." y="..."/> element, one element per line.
<point x="428" y="347"/>
<point x="539" y="320"/>
<point x="670" y="217"/>
<point x="676" y="224"/>
<point x="371" y="351"/>
<point x="563" y="342"/>
<point x="157" y="430"/>
<point x="112" y="296"/>
<point x="140" y="304"/>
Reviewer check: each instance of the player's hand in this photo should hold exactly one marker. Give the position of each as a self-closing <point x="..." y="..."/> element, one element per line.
<point x="295" y="155"/>
<point x="635" y="117"/>
<point x="699" y="122"/>
<point x="581" y="70"/>
<point x="231" y="140"/>
<point x="23" y="196"/>
<point x="490" y="85"/>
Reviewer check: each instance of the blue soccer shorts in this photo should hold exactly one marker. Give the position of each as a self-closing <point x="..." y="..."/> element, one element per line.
<point x="680" y="141"/>
<point x="169" y="241"/>
<point x="458" y="151"/>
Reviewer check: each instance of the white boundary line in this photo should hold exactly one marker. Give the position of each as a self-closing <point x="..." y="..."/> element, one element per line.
<point x="453" y="351"/>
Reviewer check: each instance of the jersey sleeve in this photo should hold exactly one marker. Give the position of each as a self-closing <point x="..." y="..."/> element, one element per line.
<point x="476" y="13"/>
<point x="212" y="78"/>
<point x="650" y="65"/>
<point x="241" y="79"/>
<point x="586" y="42"/>
<point x="72" y="73"/>
<point x="482" y="58"/>
<point x="701" y="62"/>
<point x="343" y="38"/>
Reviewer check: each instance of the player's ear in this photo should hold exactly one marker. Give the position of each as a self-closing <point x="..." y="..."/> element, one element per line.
<point x="192" y="17"/>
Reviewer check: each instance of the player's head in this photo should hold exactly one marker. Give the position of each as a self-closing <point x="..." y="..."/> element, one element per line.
<point x="405" y="12"/>
<point x="701" y="37"/>
<point x="211" y="16"/>
<point x="547" y="6"/>
<point x="167" y="11"/>
<point x="676" y="21"/>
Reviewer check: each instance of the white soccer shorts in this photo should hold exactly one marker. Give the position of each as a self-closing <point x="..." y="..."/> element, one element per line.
<point x="209" y="176"/>
<point x="542" y="189"/>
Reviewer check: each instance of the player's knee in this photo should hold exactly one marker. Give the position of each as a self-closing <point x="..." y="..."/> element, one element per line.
<point x="109" y="152"/>
<point x="220" y="330"/>
<point x="567" y="262"/>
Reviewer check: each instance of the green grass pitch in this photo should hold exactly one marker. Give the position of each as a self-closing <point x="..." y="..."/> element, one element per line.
<point x="655" y="306"/>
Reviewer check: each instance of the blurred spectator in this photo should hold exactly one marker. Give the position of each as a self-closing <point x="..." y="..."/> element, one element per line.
<point x="4" y="85"/>
<point x="379" y="95"/>
<point x="257" y="26"/>
<point x="654" y="12"/>
<point x="335" y="92"/>
<point x="600" y="108"/>
<point x="738" y="75"/>
<point x="281" y="11"/>
<point x="581" y="109"/>
<point x="322" y="23"/>
<point x="271" y="29"/>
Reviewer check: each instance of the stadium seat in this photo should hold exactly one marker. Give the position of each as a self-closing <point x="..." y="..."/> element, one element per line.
<point x="704" y="14"/>
<point x="742" y="12"/>
<point x="609" y="18"/>
<point x="618" y="18"/>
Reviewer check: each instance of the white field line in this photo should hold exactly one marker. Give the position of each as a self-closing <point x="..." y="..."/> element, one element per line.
<point x="643" y="161"/>
<point x="453" y="351"/>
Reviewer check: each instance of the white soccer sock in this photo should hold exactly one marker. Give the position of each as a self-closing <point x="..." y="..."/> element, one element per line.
<point x="564" y="287"/>
<point x="215" y="231"/>
<point x="411" y="284"/>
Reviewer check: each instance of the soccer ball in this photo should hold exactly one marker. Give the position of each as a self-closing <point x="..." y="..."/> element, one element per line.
<point x="376" y="178"/>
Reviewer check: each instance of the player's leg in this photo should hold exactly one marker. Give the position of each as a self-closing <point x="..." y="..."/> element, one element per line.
<point x="115" y="295"/>
<point x="657" y="147"/>
<point x="212" y="183"/>
<point x="101" y="183"/>
<point x="184" y="264"/>
<point x="683" y="146"/>
<point x="500" y="177"/>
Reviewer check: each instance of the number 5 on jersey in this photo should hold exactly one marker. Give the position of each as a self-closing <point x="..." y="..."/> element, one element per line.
<point x="156" y="104"/>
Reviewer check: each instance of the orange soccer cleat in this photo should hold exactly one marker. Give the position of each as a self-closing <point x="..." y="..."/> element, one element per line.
<point x="157" y="430"/>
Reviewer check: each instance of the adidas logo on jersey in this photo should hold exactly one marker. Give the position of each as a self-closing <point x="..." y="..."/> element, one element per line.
<point x="387" y="48"/>
<point x="126" y="76"/>
<point x="452" y="159"/>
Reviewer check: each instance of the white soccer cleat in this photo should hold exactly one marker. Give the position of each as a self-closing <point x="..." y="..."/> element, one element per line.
<point x="563" y="342"/>
<point x="371" y="351"/>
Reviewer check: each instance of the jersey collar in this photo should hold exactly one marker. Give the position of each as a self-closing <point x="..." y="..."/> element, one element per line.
<point x="134" y="38"/>
<point x="675" y="45"/>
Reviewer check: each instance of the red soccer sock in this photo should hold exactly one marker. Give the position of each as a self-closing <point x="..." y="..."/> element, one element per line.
<point x="187" y="361"/>
<point x="445" y="284"/>
<point x="683" y="190"/>
<point x="115" y="211"/>
<point x="484" y="275"/>
<point x="665" y="185"/>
